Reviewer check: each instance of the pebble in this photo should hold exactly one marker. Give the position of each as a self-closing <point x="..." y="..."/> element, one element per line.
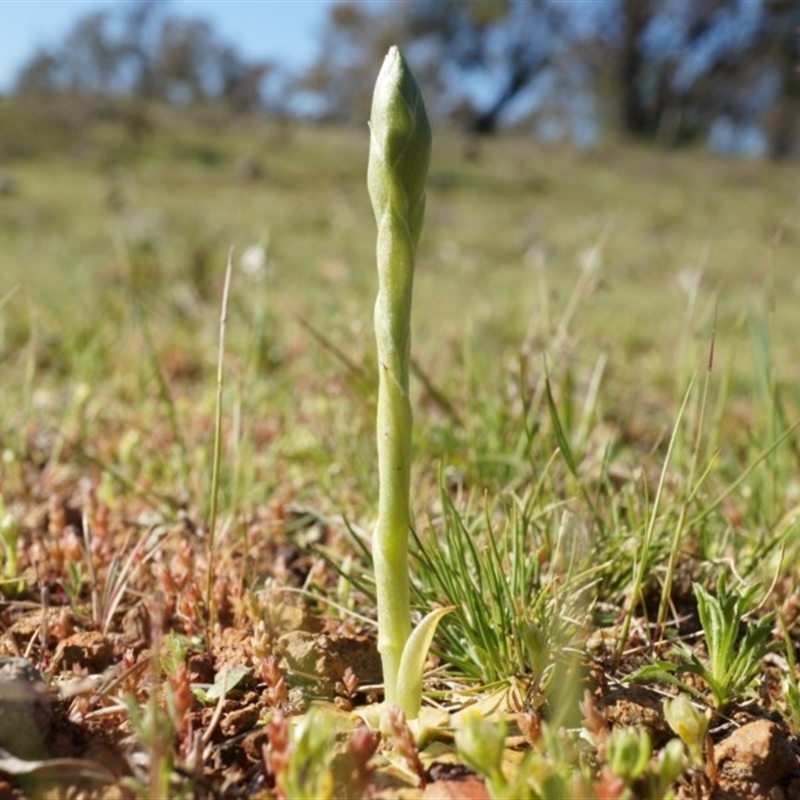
<point x="26" y="710"/>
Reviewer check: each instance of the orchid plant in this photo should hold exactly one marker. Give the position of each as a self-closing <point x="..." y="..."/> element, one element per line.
<point x="399" y="155"/>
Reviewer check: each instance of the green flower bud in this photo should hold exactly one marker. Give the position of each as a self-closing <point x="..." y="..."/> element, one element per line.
<point x="480" y="745"/>
<point x="628" y="753"/>
<point x="689" y="723"/>
<point x="671" y="762"/>
<point x="400" y="145"/>
<point x="9" y="536"/>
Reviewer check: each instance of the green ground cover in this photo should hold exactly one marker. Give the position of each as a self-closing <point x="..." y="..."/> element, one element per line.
<point x="580" y="510"/>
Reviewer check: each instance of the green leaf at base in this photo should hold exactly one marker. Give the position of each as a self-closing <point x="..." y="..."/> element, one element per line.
<point x="412" y="662"/>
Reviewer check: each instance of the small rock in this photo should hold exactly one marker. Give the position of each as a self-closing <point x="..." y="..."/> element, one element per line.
<point x="239" y="720"/>
<point x="136" y="624"/>
<point x="254" y="743"/>
<point x="638" y="707"/>
<point x="470" y="788"/>
<point x="26" y="711"/>
<point x="753" y="760"/>
<point x="27" y="630"/>
<point x="319" y="661"/>
<point x="88" y="650"/>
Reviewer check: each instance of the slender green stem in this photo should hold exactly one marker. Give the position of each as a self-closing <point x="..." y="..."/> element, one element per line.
<point x="399" y="155"/>
<point x="691" y="490"/>
<point x="644" y="559"/>
<point x="215" y="475"/>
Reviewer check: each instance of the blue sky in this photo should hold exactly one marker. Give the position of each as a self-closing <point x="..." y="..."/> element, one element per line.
<point x="288" y="31"/>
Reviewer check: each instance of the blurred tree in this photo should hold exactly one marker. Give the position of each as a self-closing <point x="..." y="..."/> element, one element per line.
<point x="505" y="43"/>
<point x="137" y="50"/>
<point x="187" y="61"/>
<point x="675" y="55"/>
<point x="780" y="39"/>
<point x="672" y="70"/>
<point x="692" y="69"/>
<point x="355" y="39"/>
<point x="475" y="59"/>
<point x="88" y="63"/>
<point x="636" y="110"/>
<point x="139" y="30"/>
<point x="685" y="70"/>
<point x="39" y="76"/>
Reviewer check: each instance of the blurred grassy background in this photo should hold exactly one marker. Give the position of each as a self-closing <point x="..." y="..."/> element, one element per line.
<point x="113" y="250"/>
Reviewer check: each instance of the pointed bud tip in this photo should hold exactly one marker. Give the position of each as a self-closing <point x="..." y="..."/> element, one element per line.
<point x="393" y="62"/>
<point x="396" y="84"/>
<point x="400" y="134"/>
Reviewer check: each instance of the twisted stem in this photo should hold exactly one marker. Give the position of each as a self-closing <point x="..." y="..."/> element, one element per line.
<point x="399" y="154"/>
